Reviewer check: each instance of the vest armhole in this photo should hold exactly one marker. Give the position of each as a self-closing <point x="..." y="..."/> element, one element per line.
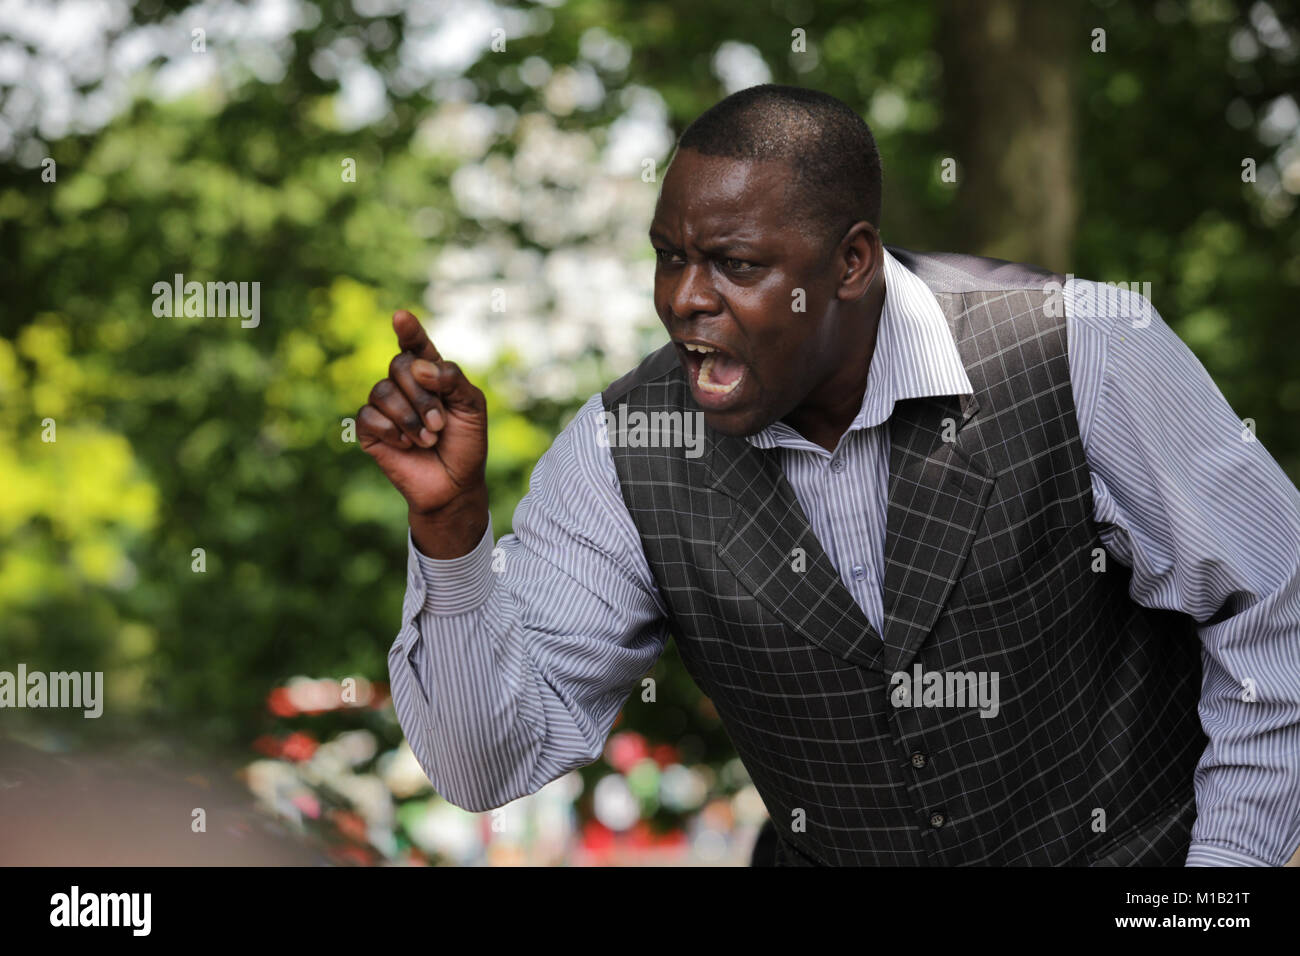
<point x="655" y="365"/>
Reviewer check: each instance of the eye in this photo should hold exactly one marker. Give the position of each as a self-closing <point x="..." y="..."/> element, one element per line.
<point x="664" y="256"/>
<point x="737" y="265"/>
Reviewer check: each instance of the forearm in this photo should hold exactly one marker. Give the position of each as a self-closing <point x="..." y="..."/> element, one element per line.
<point x="475" y="719"/>
<point x="508" y="675"/>
<point x="1248" y="781"/>
<point x="464" y="708"/>
<point x="514" y="661"/>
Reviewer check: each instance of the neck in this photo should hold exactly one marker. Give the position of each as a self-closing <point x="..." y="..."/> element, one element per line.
<point x="828" y="411"/>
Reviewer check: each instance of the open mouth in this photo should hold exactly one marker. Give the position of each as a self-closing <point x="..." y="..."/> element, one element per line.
<point x="714" y="373"/>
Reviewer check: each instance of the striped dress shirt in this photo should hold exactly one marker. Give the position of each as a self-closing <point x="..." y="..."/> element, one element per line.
<point x="513" y="661"/>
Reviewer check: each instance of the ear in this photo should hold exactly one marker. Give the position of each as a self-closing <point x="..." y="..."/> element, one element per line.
<point x="859" y="257"/>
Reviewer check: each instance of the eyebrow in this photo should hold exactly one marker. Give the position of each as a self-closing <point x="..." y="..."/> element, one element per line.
<point x="713" y="245"/>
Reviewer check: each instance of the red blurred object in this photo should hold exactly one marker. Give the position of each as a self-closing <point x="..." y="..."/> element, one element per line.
<point x="298" y="746"/>
<point x="351" y="825"/>
<point x="596" y="837"/>
<point x="379" y="696"/>
<point x="356" y="855"/>
<point x="641" y="836"/>
<point x="665" y="755"/>
<point x="625" y="749"/>
<point x="267" y="745"/>
<point x="307" y="803"/>
<point x="671" y="838"/>
<point x="278" y="703"/>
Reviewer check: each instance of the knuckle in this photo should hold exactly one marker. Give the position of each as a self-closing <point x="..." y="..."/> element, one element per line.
<point x="423" y="401"/>
<point x="383" y="388"/>
<point x="373" y="420"/>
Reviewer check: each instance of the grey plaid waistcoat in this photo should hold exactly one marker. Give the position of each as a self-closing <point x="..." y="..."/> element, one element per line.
<point x="990" y="548"/>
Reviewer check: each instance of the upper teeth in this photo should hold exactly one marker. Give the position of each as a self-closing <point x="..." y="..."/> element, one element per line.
<point x="692" y="347"/>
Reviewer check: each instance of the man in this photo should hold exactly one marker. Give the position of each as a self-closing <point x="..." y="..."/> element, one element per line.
<point x="940" y="558"/>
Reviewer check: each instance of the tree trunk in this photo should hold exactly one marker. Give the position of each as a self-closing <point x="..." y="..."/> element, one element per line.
<point x="1009" y="104"/>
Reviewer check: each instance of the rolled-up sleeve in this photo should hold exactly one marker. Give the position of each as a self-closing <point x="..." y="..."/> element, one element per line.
<point x="1190" y="499"/>
<point x="513" y="660"/>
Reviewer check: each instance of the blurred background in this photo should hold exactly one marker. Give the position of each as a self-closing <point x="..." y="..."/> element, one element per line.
<point x="492" y="166"/>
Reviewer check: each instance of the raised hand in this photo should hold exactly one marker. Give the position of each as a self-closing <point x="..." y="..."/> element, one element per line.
<point x="426" y="427"/>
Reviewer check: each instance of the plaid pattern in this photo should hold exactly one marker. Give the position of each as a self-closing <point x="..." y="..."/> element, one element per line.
<point x="989" y="549"/>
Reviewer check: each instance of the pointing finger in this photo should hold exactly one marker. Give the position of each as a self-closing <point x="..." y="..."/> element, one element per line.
<point x="412" y="337"/>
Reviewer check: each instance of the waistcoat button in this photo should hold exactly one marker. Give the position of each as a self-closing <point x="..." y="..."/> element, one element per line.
<point x="936" y="820"/>
<point x="918" y="760"/>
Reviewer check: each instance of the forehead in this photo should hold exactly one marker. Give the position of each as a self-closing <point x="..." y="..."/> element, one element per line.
<point x="702" y="192"/>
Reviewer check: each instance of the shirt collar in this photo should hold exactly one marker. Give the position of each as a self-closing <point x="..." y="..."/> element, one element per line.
<point x="915" y="356"/>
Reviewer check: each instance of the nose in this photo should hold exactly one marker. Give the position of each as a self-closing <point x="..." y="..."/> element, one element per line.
<point x="692" y="293"/>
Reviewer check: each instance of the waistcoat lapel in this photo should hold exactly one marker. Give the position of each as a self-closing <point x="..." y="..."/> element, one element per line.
<point x="759" y="546"/>
<point x="937" y="496"/>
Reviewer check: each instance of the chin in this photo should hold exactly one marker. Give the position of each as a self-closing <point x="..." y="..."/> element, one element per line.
<point x="737" y="424"/>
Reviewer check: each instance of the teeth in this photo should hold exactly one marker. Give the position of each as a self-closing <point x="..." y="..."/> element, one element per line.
<point x="692" y="347"/>
<point x="706" y="372"/>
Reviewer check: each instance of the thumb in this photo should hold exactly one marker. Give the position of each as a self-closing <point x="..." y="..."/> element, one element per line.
<point x="384" y="454"/>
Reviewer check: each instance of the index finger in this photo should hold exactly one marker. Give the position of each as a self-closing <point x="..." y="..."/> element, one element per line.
<point x="412" y="337"/>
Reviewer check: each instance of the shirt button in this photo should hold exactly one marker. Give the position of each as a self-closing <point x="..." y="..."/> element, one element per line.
<point x="837" y="465"/>
<point x="859" y="572"/>
<point x="918" y="760"/>
<point x="936" y="820"/>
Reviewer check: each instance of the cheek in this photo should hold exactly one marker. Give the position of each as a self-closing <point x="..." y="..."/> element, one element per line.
<point x="782" y="343"/>
<point x="659" y="296"/>
<point x="777" y="370"/>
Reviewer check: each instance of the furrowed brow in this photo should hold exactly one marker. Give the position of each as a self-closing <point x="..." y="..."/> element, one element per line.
<point x="729" y="247"/>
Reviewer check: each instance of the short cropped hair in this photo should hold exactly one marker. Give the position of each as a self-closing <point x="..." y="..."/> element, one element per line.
<point x="826" y="143"/>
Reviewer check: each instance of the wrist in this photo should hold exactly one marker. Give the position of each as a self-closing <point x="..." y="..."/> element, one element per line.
<point x="453" y="530"/>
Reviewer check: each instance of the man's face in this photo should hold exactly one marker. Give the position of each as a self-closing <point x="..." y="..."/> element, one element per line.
<point x="730" y="259"/>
